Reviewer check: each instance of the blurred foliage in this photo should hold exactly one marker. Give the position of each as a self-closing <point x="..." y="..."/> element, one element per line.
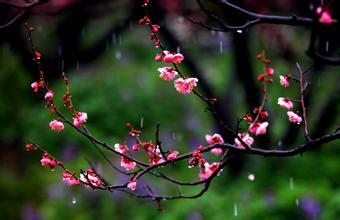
<point x="122" y="86"/>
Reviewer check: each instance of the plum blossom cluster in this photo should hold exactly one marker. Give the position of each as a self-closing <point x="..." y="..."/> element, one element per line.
<point x="79" y="118"/>
<point x="89" y="178"/>
<point x="70" y="178"/>
<point x="125" y="162"/>
<point x="157" y="157"/>
<point x="154" y="152"/>
<point x="324" y="15"/>
<point x="257" y="124"/>
<point x="183" y="85"/>
<point x="154" y="155"/>
<point x="197" y="159"/>
<point x="215" y="139"/>
<point x="286" y="103"/>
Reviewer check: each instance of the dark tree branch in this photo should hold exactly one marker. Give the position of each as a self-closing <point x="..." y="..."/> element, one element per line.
<point x="256" y="18"/>
<point x="293" y="20"/>
<point x="24" y="8"/>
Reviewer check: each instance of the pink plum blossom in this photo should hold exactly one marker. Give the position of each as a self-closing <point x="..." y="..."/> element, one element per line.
<point x="215" y="139"/>
<point x="48" y="161"/>
<point x="172" y="155"/>
<point x="285" y="103"/>
<point x="294" y="118"/>
<point x="120" y="148"/>
<point x="270" y="71"/>
<point x="217" y="151"/>
<point x="185" y="86"/>
<point x="49" y="95"/>
<point x="70" y="179"/>
<point x="127" y="163"/>
<point x="135" y="147"/>
<point x="325" y="16"/>
<point x="36" y="85"/>
<point x="178" y="58"/>
<point x="246" y="138"/>
<point x="159" y="57"/>
<point x="167" y="73"/>
<point x="284" y="81"/>
<point x="259" y="128"/>
<point x="208" y="169"/>
<point x="155" y="28"/>
<point x="56" y="125"/>
<point x="168" y="57"/>
<point x="79" y="118"/>
<point x="90" y="179"/>
<point x="132" y="184"/>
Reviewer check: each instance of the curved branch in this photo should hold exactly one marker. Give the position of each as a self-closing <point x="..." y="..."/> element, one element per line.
<point x="269" y="19"/>
<point x="257" y="18"/>
<point x="25" y="8"/>
<point x="286" y="153"/>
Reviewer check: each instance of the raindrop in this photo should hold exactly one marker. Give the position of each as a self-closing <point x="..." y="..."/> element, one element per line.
<point x="62" y="65"/>
<point x="118" y="55"/>
<point x="297" y="202"/>
<point x="141" y="122"/>
<point x="120" y="39"/>
<point x="291" y="183"/>
<point x="235" y="209"/>
<point x="212" y="32"/>
<point x="327" y="46"/>
<point x="178" y="49"/>
<point x="174" y="136"/>
<point x="60" y="51"/>
<point x="78" y="65"/>
<point x="239" y="31"/>
<point x="114" y="40"/>
<point x="74" y="200"/>
<point x="221" y="46"/>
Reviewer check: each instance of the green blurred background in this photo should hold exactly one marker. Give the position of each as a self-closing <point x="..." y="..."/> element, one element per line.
<point x="113" y="77"/>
